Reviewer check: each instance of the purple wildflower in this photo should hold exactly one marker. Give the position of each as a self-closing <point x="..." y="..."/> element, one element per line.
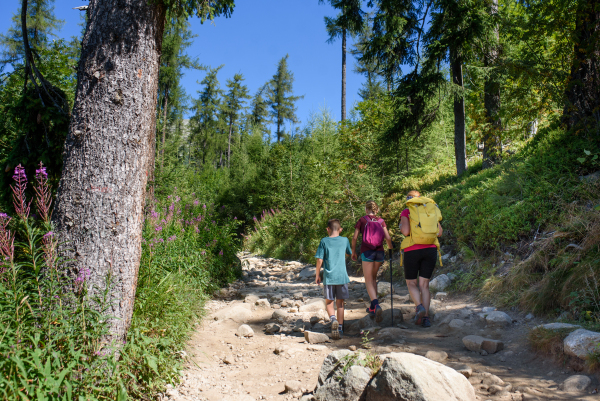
<point x="41" y="172"/>
<point x="172" y="238"/>
<point x="158" y="229"/>
<point x="196" y="202"/>
<point x="204" y="206"/>
<point x="221" y="253"/>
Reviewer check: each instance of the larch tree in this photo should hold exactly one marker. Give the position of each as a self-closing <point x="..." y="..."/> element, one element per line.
<point x="348" y="22"/>
<point x="99" y="205"/>
<point x="281" y="100"/>
<point x="234" y="100"/>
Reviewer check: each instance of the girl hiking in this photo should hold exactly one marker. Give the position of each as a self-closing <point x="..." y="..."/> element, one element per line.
<point x="374" y="231"/>
<point x="419" y="223"/>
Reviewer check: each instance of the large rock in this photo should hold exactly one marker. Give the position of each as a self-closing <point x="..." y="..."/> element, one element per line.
<point x="308" y="273"/>
<point x="440" y="283"/>
<point x="410" y="377"/>
<point x="237" y="313"/>
<point x="263" y="303"/>
<point x="350" y="387"/>
<point x="478" y="344"/>
<point x="557" y="326"/>
<point x="456" y="324"/>
<point x="315" y="338"/>
<point x="293" y="386"/>
<point x="367" y="321"/>
<point x="251" y="299"/>
<point x="581" y="343"/>
<point x="244" y="331"/>
<point x="272" y="328"/>
<point x="384" y="289"/>
<point x="333" y="365"/>
<point x="576" y="384"/>
<point x="280" y="315"/>
<point x="390" y="333"/>
<point x="438" y="356"/>
<point x="314" y="306"/>
<point x="461" y="368"/>
<point x="498" y="319"/>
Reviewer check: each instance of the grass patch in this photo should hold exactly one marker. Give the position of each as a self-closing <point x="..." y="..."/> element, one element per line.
<point x="549" y="342"/>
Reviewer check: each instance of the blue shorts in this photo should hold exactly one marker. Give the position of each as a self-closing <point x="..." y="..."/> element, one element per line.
<point x="373" y="256"/>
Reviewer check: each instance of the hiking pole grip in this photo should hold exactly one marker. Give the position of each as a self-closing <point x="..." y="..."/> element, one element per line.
<point x="390" y="255"/>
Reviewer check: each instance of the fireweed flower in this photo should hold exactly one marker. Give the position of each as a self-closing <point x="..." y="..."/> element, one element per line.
<point x="41" y="172"/>
<point x="19" y="201"/>
<point x="172" y="207"/>
<point x="203" y="252"/>
<point x="196" y="202"/>
<point x="158" y="229"/>
<point x="172" y="238"/>
<point x="154" y="214"/>
<point x="221" y="253"/>
<point x="203" y="206"/>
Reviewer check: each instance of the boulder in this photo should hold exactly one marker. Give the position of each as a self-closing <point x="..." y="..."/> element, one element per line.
<point x="461" y="368"/>
<point x="383" y="289"/>
<point x="237" y="313"/>
<point x="478" y="344"/>
<point x="244" y="331"/>
<point x="576" y="384"/>
<point x="314" y="306"/>
<point x="333" y="365"/>
<point x="405" y="376"/>
<point x="456" y="324"/>
<point x="315" y="338"/>
<point x="581" y="343"/>
<point x="272" y="328"/>
<point x="293" y="386"/>
<point x="440" y="283"/>
<point x="558" y="326"/>
<point x="488" y="309"/>
<point x="308" y="272"/>
<point x="351" y="386"/>
<point x="498" y="319"/>
<point x="263" y="303"/>
<point x="438" y="356"/>
<point x="442" y="296"/>
<point x="250" y="299"/>
<point x="390" y="333"/>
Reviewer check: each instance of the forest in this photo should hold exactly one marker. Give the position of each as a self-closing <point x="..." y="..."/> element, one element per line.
<point x="126" y="199"/>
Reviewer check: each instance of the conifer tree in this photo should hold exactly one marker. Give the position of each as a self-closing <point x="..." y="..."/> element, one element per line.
<point x="281" y="100"/>
<point x="259" y="109"/>
<point x="372" y="87"/>
<point x="492" y="143"/>
<point x="348" y="22"/>
<point x="233" y="104"/>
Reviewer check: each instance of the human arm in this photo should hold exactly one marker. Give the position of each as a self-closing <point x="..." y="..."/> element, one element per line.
<point x="440" y="231"/>
<point x="354" y="239"/>
<point x="318" y="271"/>
<point x="405" y="226"/>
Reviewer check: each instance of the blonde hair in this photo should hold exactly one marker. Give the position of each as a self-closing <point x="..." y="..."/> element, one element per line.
<point x="371" y="206"/>
<point x="413" y="193"/>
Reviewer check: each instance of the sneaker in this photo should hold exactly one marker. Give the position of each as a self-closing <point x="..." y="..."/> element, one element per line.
<point x="341" y="331"/>
<point x="371" y="312"/>
<point x="420" y="313"/>
<point x="335" y="329"/>
<point x="426" y="322"/>
<point x="378" y="314"/>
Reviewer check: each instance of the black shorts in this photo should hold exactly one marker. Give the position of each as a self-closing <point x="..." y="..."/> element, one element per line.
<point x="420" y="263"/>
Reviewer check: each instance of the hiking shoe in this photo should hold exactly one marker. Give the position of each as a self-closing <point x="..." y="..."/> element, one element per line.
<point x="378" y="313"/>
<point x="420" y="313"/>
<point x="371" y="312"/>
<point x="426" y="322"/>
<point x="335" y="329"/>
<point x="341" y="331"/>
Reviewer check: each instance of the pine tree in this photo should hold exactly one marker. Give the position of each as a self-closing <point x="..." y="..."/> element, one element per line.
<point x="280" y="99"/>
<point x="372" y="87"/>
<point x="492" y="142"/>
<point x="348" y="22"/>
<point x="233" y="104"/>
<point x="259" y="110"/>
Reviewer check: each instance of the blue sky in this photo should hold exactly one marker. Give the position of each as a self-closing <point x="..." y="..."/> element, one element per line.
<point x="252" y="41"/>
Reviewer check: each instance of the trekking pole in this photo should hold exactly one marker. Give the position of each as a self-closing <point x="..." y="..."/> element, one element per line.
<point x="390" y="254"/>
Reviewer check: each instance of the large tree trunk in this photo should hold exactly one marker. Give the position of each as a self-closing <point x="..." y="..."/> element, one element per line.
<point x="99" y="206"/>
<point x="492" y="141"/>
<point x="164" y="127"/>
<point x="343" y="75"/>
<point x="460" y="148"/>
<point x="229" y="142"/>
<point x="582" y="108"/>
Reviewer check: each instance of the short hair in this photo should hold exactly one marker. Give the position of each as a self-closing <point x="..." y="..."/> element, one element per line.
<point x="334" y="225"/>
<point x="413" y="194"/>
<point x="372" y="206"/>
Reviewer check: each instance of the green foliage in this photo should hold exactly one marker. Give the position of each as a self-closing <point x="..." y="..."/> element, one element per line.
<point x="281" y="100"/>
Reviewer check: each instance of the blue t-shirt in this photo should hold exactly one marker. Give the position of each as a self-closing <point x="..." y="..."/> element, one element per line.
<point x="333" y="251"/>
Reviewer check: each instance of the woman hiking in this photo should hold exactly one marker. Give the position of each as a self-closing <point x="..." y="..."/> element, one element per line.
<point x="374" y="231"/>
<point x="420" y="250"/>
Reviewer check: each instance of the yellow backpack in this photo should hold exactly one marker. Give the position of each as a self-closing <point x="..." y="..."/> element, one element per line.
<point x="424" y="218"/>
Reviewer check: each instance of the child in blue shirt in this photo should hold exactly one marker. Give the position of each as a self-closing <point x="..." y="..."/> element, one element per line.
<point x="331" y="256"/>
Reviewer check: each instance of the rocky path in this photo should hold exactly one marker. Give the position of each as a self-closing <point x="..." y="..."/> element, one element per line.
<point x="270" y="359"/>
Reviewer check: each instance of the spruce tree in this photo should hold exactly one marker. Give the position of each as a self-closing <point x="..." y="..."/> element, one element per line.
<point x="281" y="100"/>
<point x="372" y="87"/>
<point x="259" y="110"/>
<point x="348" y="22"/>
<point x="233" y="104"/>
<point x="492" y="141"/>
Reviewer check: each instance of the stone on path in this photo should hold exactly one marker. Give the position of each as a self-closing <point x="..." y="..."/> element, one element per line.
<point x="478" y="344"/>
<point x="251" y="299"/>
<point x="308" y="273"/>
<point x="438" y="356"/>
<point x="263" y="303"/>
<point x="405" y="376"/>
<point x="440" y="283"/>
<point x="441" y="296"/>
<point x="333" y="365"/>
<point x="315" y="338"/>
<point x="352" y="348"/>
<point x="390" y="333"/>
<point x="576" y="384"/>
<point x="350" y="387"/>
<point x="271" y="328"/>
<point x="498" y="319"/>
<point x="581" y="343"/>
<point x="244" y="331"/>
<point x="293" y="386"/>
<point x="279" y="315"/>
<point x="488" y="309"/>
<point x="314" y="306"/>
<point x="557" y="326"/>
<point x="461" y="368"/>
<point x="456" y="324"/>
<point x="315" y="347"/>
<point x="238" y="314"/>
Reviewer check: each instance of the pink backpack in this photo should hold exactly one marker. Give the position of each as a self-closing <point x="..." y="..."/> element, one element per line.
<point x="373" y="234"/>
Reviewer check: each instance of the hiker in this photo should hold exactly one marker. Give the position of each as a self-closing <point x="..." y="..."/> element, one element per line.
<point x="420" y="223"/>
<point x="331" y="255"/>
<point x="374" y="231"/>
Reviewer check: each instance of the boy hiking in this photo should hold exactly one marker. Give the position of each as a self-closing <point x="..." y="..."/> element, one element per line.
<point x="420" y="223"/>
<point x="331" y="256"/>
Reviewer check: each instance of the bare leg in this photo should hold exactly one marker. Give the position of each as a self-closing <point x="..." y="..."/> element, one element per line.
<point x="413" y="290"/>
<point x="340" y="310"/>
<point x="329" y="306"/>
<point x="376" y="266"/>
<point x="370" y="284"/>
<point x="425" y="294"/>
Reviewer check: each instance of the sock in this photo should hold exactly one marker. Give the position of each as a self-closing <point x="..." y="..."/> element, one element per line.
<point x="332" y="317"/>
<point x="374" y="303"/>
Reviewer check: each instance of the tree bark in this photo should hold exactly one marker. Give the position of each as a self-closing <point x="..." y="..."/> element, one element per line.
<point x="343" y="74"/>
<point x="460" y="148"/>
<point x="99" y="205"/>
<point x="582" y="106"/>
<point x="164" y="128"/>
<point x="492" y="141"/>
<point x="229" y="141"/>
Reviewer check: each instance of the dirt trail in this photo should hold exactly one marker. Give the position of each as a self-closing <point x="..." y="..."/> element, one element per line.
<point x="222" y="366"/>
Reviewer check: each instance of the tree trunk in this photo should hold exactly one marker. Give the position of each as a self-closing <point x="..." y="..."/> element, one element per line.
<point x="229" y="141"/>
<point x="582" y="106"/>
<point x="100" y="199"/>
<point x="492" y="141"/>
<point x="343" y="75"/>
<point x="164" y="128"/>
<point x="460" y="148"/>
